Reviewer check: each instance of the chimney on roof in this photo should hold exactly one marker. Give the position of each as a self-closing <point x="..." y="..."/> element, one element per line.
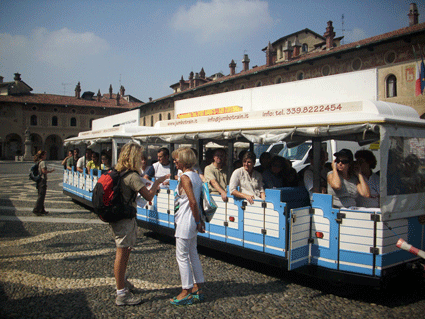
<point x="110" y="91"/>
<point x="232" y="66"/>
<point x="297" y="48"/>
<point x="413" y="14"/>
<point x="181" y="82"/>
<point x="245" y="62"/>
<point x="287" y="51"/>
<point x="78" y="90"/>
<point x="329" y="35"/>
<point x="191" y="80"/>
<point x="122" y="90"/>
<point x="196" y="79"/>
<point x="1" y="79"/>
<point x="118" y="98"/>
<point x="150" y="99"/>
<point x="17" y="77"/>
<point x="98" y="95"/>
<point x="202" y="74"/>
<point x="270" y="55"/>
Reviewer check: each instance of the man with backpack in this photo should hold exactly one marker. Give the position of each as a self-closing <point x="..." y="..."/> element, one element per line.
<point x="125" y="230"/>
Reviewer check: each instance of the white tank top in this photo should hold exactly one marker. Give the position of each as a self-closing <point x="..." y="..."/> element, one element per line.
<point x="183" y="217"/>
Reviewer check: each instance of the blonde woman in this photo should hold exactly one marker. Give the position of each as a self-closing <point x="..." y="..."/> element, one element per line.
<point x="125" y="230"/>
<point x="188" y="223"/>
<point x="40" y="157"/>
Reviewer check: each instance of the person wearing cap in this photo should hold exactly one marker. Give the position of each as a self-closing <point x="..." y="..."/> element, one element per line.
<point x="345" y="181"/>
<point x="367" y="161"/>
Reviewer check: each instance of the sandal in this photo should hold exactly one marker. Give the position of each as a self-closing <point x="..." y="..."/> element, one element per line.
<point x="198" y="297"/>
<point x="186" y="301"/>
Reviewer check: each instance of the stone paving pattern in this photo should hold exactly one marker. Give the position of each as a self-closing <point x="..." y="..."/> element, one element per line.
<point x="55" y="269"/>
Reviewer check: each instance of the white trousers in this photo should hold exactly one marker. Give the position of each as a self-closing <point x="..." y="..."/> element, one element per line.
<point x="188" y="260"/>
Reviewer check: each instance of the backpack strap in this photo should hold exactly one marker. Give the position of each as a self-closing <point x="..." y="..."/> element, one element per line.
<point x="122" y="176"/>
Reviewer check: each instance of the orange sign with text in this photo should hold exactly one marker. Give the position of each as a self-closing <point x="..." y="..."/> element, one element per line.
<point x="221" y="110"/>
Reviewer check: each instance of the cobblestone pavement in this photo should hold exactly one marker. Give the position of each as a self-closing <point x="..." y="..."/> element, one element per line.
<point x="61" y="266"/>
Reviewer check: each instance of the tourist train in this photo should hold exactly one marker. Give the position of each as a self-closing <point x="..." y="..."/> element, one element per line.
<point x="288" y="229"/>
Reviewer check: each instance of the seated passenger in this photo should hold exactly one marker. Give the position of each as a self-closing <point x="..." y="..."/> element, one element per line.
<point x="345" y="183"/>
<point x="308" y="174"/>
<point x="72" y="161"/>
<point x="145" y="166"/>
<point x="290" y="176"/>
<point x="82" y="161"/>
<point x="249" y="180"/>
<point x="367" y="161"/>
<point x="273" y="177"/>
<point x="105" y="162"/>
<point x="94" y="163"/>
<point x="70" y="155"/>
<point x="209" y="154"/>
<point x="265" y="161"/>
<point x="216" y="174"/>
<point x="238" y="162"/>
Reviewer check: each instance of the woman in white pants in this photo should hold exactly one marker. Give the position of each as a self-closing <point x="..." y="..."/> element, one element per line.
<point x="188" y="222"/>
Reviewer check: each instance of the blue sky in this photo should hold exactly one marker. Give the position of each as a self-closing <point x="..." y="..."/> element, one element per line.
<point x="147" y="45"/>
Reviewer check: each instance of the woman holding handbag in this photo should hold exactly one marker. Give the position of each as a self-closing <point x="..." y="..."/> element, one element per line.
<point x="188" y="223"/>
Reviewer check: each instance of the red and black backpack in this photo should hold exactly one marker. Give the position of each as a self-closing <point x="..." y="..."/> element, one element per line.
<point x="108" y="202"/>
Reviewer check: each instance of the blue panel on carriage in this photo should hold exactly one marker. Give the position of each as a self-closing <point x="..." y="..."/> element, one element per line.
<point x="153" y="216"/>
<point x="253" y="241"/>
<point x="294" y="197"/>
<point x="273" y="244"/>
<point x="235" y="235"/>
<point x="356" y="262"/>
<point x="324" y="203"/>
<point x="395" y="258"/>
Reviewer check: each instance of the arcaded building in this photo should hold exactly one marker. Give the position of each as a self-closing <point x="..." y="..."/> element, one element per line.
<point x="48" y="119"/>
<point x="305" y="55"/>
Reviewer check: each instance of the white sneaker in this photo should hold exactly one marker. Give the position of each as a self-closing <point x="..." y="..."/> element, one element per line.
<point x="127" y="299"/>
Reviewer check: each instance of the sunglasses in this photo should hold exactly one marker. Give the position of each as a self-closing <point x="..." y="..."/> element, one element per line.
<point x="342" y="161"/>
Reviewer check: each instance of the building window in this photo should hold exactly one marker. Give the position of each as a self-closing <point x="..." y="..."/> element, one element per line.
<point x="34" y="108"/>
<point x="152" y="120"/>
<point x="169" y="116"/>
<point x="305" y="48"/>
<point x="391" y="86"/>
<point x="55" y="109"/>
<point x="356" y="64"/>
<point x="258" y="84"/>
<point x="242" y="87"/>
<point x="33" y="120"/>
<point x="144" y="121"/>
<point x="326" y="70"/>
<point x="300" y="75"/>
<point x="73" y="121"/>
<point x="91" y="123"/>
<point x="92" y="112"/>
<point x="160" y="117"/>
<point x="54" y="121"/>
<point x="278" y="80"/>
<point x="74" y="111"/>
<point x="390" y="57"/>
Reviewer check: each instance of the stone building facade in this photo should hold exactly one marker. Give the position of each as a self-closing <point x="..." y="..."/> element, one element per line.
<point x="49" y="119"/>
<point x="306" y="55"/>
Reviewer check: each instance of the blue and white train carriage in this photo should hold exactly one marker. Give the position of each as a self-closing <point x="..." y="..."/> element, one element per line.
<point x="288" y="230"/>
